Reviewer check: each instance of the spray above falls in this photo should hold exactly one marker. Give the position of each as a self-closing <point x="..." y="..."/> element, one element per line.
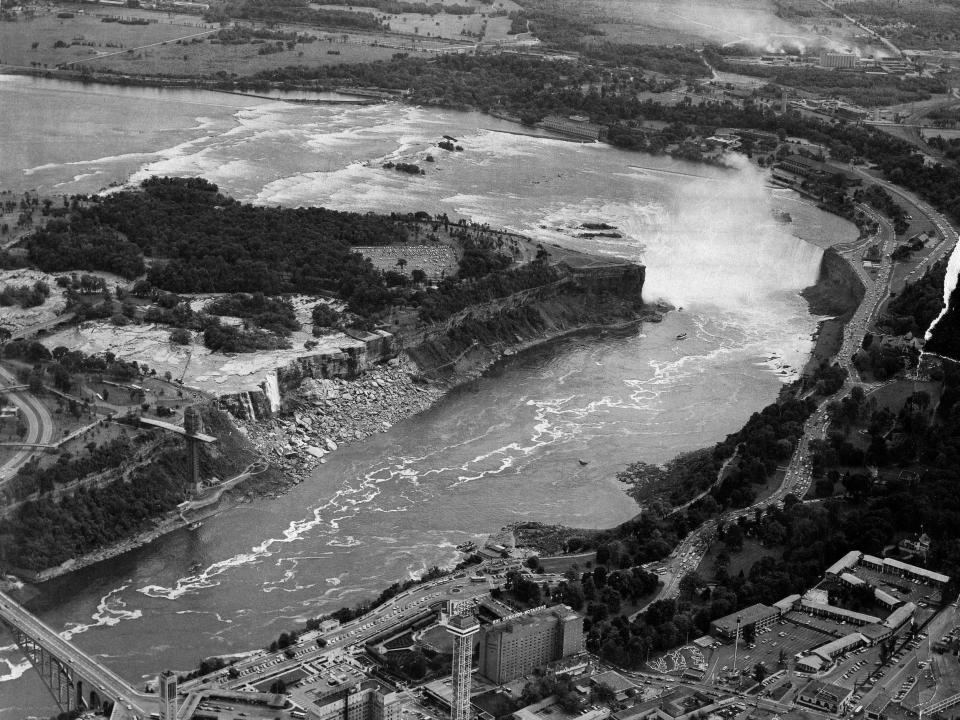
<point x="718" y="245"/>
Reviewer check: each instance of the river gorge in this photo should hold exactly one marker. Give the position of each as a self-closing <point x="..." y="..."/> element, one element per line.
<point x="502" y="449"/>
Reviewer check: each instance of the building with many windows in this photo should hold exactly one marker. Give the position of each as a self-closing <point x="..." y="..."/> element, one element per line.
<point x="760" y="617"/>
<point x="517" y="644"/>
<point x="367" y="699"/>
<point x="168" y="695"/>
<point x="837" y="60"/>
<point x="575" y="126"/>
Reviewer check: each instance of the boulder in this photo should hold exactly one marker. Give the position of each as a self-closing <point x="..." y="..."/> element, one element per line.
<point x="319" y="389"/>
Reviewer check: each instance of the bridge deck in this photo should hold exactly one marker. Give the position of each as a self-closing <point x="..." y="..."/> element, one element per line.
<point x="177" y="429"/>
<point x="107" y="683"/>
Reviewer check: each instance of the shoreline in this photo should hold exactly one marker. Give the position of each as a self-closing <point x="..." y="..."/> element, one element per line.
<point x="300" y="468"/>
<point x="242" y="493"/>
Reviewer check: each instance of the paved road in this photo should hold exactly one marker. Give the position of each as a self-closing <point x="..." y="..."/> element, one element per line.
<point x="797" y="478"/>
<point x="39" y="426"/>
<point x="264" y="665"/>
<point x="109" y="686"/>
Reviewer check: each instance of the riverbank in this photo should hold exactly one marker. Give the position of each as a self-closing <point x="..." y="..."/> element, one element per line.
<point x="835" y="297"/>
<point x="173" y="521"/>
<point x="326" y="415"/>
<point x="838" y="293"/>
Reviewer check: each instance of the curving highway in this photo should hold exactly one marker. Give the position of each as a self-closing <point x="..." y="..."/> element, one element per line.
<point x="687" y="556"/>
<point x="39" y="426"/>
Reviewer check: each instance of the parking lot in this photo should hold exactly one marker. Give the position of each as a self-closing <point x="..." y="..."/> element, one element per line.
<point x="785" y="638"/>
<point x="902" y="588"/>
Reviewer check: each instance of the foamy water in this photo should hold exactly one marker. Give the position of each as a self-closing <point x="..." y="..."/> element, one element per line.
<point x="505" y="449"/>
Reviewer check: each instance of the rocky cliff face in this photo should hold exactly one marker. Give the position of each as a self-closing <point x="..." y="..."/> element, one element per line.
<point x="838" y="290"/>
<point x="348" y="363"/>
<point x="592" y="296"/>
<point x="623" y="279"/>
<point x="592" y="293"/>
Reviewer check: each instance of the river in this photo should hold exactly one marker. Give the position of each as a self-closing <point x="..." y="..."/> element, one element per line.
<point x="506" y="447"/>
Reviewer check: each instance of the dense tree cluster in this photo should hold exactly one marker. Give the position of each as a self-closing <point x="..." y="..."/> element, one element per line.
<point x="922" y="26"/>
<point x="45" y="533"/>
<point x="452" y="296"/>
<point x="915" y="307"/>
<point x="270" y="313"/>
<point x="26" y="296"/>
<point x="395" y="7"/>
<point x="205" y="242"/>
<point x="476" y="262"/>
<point x="69" y="468"/>
<point x="857" y="87"/>
<point x="294" y="11"/>
<point x="83" y="244"/>
<point x="325" y="319"/>
<point x="673" y="60"/>
<point x="230" y="339"/>
<point x="882" y="201"/>
<point x="764" y="442"/>
<point x="558" y="30"/>
<point x="945" y="339"/>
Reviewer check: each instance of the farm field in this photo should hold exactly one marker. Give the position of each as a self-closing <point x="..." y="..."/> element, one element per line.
<point x="93" y="38"/>
<point x="183" y="45"/>
<point x="478" y="26"/>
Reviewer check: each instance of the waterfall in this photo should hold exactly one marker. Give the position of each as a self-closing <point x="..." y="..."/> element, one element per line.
<point x="719" y="245"/>
<point x="271" y="389"/>
<point x="949" y="285"/>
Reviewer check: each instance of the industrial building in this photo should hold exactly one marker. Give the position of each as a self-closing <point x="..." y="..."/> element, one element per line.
<point x="575" y="126"/>
<point x="517" y="644"/>
<point x="837" y="60"/>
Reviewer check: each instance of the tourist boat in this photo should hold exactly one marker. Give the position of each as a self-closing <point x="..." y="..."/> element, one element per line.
<point x="194" y="525"/>
<point x="682" y="336"/>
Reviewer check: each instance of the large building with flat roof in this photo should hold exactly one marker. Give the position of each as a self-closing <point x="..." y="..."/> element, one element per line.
<point x="760" y="617"/>
<point x="367" y="699"/>
<point x="824" y="696"/>
<point x="845" y="563"/>
<point x="837" y="613"/>
<point x="576" y="126"/>
<point x="890" y="566"/>
<point x="516" y="645"/>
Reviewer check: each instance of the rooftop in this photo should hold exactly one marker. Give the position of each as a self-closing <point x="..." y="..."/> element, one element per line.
<point x="847" y="561"/>
<point x="617" y="682"/>
<point x="748" y="616"/>
<point x="839" y="611"/>
<point x="825" y="690"/>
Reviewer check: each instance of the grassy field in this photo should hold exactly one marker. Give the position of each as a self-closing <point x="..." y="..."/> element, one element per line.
<point x="93" y="38"/>
<point x="443" y="25"/>
<point x="181" y="45"/>
<point x="204" y="58"/>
